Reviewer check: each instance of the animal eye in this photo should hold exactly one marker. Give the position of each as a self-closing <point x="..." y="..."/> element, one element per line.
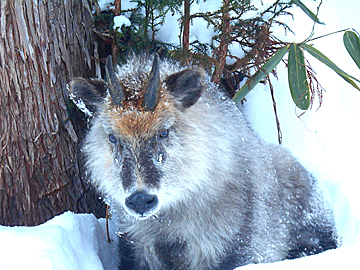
<point x="112" y="138"/>
<point x="164" y="134"/>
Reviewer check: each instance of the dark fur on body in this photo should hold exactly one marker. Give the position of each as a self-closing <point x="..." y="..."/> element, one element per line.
<point x="225" y="198"/>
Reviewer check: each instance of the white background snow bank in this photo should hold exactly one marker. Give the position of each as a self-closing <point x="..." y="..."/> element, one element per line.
<point x="326" y="141"/>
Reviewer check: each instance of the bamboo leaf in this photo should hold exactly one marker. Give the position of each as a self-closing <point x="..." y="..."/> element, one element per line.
<point x="307" y="11"/>
<point x="352" y="45"/>
<point x="298" y="83"/>
<point x="321" y="57"/>
<point x="260" y="74"/>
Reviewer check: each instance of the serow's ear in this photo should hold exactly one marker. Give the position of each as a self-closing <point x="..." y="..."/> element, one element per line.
<point x="186" y="86"/>
<point x="87" y="94"/>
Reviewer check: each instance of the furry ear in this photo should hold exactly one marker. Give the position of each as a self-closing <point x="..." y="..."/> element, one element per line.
<point x="186" y="86"/>
<point x="87" y="94"/>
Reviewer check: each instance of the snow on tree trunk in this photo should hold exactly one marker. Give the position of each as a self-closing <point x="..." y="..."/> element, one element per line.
<point x="43" y="44"/>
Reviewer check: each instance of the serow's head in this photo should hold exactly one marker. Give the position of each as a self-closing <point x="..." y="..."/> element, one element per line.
<point x="138" y="145"/>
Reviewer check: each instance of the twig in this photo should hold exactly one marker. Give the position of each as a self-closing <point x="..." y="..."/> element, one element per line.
<point x="339" y="31"/>
<point x="108" y="216"/>
<point x="313" y="27"/>
<point x="275" y="111"/>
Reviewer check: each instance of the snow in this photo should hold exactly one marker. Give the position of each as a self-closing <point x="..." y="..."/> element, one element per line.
<point x="341" y="258"/>
<point x="326" y="141"/>
<point x="119" y="21"/>
<point x="67" y="242"/>
<point x="104" y="4"/>
<point x="80" y="104"/>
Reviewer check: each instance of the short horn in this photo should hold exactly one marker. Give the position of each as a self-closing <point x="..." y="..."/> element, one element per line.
<point x="116" y="90"/>
<point x="152" y="90"/>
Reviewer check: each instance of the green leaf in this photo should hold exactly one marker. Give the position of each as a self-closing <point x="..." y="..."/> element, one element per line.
<point x="298" y="83"/>
<point x="260" y="74"/>
<point x="352" y="45"/>
<point x="307" y="11"/>
<point x="321" y="57"/>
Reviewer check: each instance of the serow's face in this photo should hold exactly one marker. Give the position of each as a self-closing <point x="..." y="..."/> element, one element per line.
<point x="137" y="140"/>
<point x="139" y="150"/>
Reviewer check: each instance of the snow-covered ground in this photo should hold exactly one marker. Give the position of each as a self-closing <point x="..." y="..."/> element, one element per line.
<point x="326" y="141"/>
<point x="67" y="242"/>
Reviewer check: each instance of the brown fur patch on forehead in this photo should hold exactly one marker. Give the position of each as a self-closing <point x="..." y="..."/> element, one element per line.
<point x="134" y="122"/>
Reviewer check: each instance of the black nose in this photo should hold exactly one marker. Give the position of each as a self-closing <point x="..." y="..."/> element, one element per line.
<point x="141" y="202"/>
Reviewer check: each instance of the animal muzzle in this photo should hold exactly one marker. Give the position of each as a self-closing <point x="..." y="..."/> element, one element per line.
<point x="141" y="203"/>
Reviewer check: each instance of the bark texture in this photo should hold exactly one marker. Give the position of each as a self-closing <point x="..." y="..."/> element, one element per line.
<point x="43" y="44"/>
<point x="222" y="50"/>
<point x="186" y="23"/>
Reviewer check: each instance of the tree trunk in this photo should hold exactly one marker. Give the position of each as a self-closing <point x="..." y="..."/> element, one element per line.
<point x="224" y="44"/>
<point x="186" y="24"/>
<point x="43" y="44"/>
<point x="117" y="5"/>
